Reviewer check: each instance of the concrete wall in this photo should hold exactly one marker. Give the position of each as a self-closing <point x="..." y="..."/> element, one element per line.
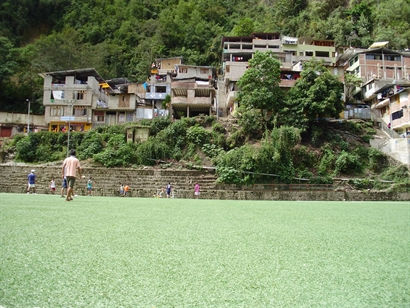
<point x="21" y="118"/>
<point x="398" y="148"/>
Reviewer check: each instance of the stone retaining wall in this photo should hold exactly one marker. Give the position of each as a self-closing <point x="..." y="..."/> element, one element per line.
<point x="146" y="182"/>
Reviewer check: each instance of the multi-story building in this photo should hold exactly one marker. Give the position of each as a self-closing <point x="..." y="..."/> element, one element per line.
<point x="393" y="109"/>
<point x="384" y="73"/>
<point x="378" y="68"/>
<point x="81" y="99"/>
<point x="192" y="90"/>
<point x="158" y="87"/>
<point x="70" y="98"/>
<point x="290" y="51"/>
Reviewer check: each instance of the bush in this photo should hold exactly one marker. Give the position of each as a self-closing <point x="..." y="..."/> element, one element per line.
<point x="251" y="121"/>
<point x="228" y="175"/>
<point x="239" y="159"/>
<point x="158" y="124"/>
<point x="361" y="184"/>
<point x="198" y="135"/>
<point x="117" y="152"/>
<point x="236" y="139"/>
<point x="218" y="128"/>
<point x="396" y="173"/>
<point x="303" y="157"/>
<point x="212" y="150"/>
<point x="348" y="163"/>
<point x="327" y="161"/>
<point x="25" y="150"/>
<point x="377" y="160"/>
<point x="151" y="150"/>
<point x="92" y="144"/>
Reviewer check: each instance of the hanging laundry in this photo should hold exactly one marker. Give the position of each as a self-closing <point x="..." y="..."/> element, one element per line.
<point x="58" y="94"/>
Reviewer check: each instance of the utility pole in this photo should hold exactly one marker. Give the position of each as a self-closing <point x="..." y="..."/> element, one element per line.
<point x="28" y="116"/>
<point x="69" y="127"/>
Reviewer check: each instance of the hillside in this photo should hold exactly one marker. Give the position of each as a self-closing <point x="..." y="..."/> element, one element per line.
<point x="120" y="38"/>
<point x="329" y="152"/>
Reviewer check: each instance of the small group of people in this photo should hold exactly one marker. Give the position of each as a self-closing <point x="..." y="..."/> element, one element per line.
<point x="124" y="190"/>
<point x="71" y="168"/>
<point x="169" y="191"/>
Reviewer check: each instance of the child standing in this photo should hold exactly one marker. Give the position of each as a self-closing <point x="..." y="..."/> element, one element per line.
<point x="52" y="186"/>
<point x="168" y="190"/>
<point x="89" y="186"/>
<point x="197" y="189"/>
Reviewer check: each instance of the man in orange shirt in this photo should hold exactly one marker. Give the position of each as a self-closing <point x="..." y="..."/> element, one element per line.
<point x="69" y="170"/>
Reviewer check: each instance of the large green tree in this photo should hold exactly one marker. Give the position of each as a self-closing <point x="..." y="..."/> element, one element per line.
<point x="259" y="85"/>
<point x="316" y="95"/>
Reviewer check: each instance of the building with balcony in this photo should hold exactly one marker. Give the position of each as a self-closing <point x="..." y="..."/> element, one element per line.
<point x="393" y="109"/>
<point x="237" y="51"/>
<point x="70" y="98"/>
<point x="192" y="90"/>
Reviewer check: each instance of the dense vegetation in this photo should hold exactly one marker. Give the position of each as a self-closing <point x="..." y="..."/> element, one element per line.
<point x="324" y="152"/>
<point x="122" y="37"/>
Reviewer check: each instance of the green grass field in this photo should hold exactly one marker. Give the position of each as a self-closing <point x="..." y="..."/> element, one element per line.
<point x="131" y="252"/>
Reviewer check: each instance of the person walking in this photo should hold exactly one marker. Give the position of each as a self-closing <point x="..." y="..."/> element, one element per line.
<point x="63" y="186"/>
<point x="197" y="190"/>
<point x="31" y="185"/>
<point x="71" y="166"/>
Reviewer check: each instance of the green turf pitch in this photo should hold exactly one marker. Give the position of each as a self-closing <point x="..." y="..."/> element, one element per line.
<point x="135" y="252"/>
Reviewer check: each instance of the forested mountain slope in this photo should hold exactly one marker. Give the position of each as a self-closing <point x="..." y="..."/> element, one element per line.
<point x="120" y="38"/>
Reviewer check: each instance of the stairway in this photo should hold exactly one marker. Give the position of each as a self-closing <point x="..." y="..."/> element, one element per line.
<point x="389" y="142"/>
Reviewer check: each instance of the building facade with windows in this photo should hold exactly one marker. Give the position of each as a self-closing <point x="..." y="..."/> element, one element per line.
<point x="192" y="91"/>
<point x="290" y="51"/>
<point x="69" y="98"/>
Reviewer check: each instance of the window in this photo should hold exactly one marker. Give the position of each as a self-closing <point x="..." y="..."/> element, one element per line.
<point x="324" y="54"/>
<point x="260" y="46"/>
<point x="392" y="58"/>
<point x="309" y="53"/>
<point x="274" y="46"/>
<point x="56" y="111"/>
<point x="204" y="71"/>
<point x="227" y="69"/>
<point x="99" y="116"/>
<point x="79" y="95"/>
<point x="354" y="60"/>
<point x="202" y="93"/>
<point x="79" y="111"/>
<point x="235" y="46"/>
<point x="183" y="70"/>
<point x="161" y="89"/>
<point x="397" y="114"/>
<point x="373" y="57"/>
